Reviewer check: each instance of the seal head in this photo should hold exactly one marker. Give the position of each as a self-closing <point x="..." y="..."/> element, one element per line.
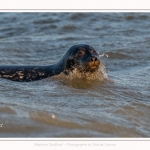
<point x="82" y="57"/>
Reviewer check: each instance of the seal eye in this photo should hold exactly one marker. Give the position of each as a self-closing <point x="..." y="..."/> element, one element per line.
<point x="94" y="52"/>
<point x="80" y="53"/>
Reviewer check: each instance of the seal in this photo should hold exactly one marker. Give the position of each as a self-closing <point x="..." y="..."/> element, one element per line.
<point x="82" y="57"/>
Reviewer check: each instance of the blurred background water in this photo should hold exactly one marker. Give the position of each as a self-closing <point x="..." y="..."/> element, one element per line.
<point x="61" y="107"/>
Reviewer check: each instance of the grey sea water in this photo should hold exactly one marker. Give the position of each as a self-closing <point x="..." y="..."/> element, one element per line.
<point x="63" y="106"/>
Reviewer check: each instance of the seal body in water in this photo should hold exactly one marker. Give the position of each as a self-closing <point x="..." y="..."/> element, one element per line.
<point x="82" y="57"/>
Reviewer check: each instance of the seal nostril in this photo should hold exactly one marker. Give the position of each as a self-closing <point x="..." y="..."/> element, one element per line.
<point x="93" y="59"/>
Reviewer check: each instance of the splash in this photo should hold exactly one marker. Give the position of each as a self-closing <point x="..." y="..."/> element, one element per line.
<point x="86" y="80"/>
<point x="103" y="55"/>
<point x="100" y="74"/>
